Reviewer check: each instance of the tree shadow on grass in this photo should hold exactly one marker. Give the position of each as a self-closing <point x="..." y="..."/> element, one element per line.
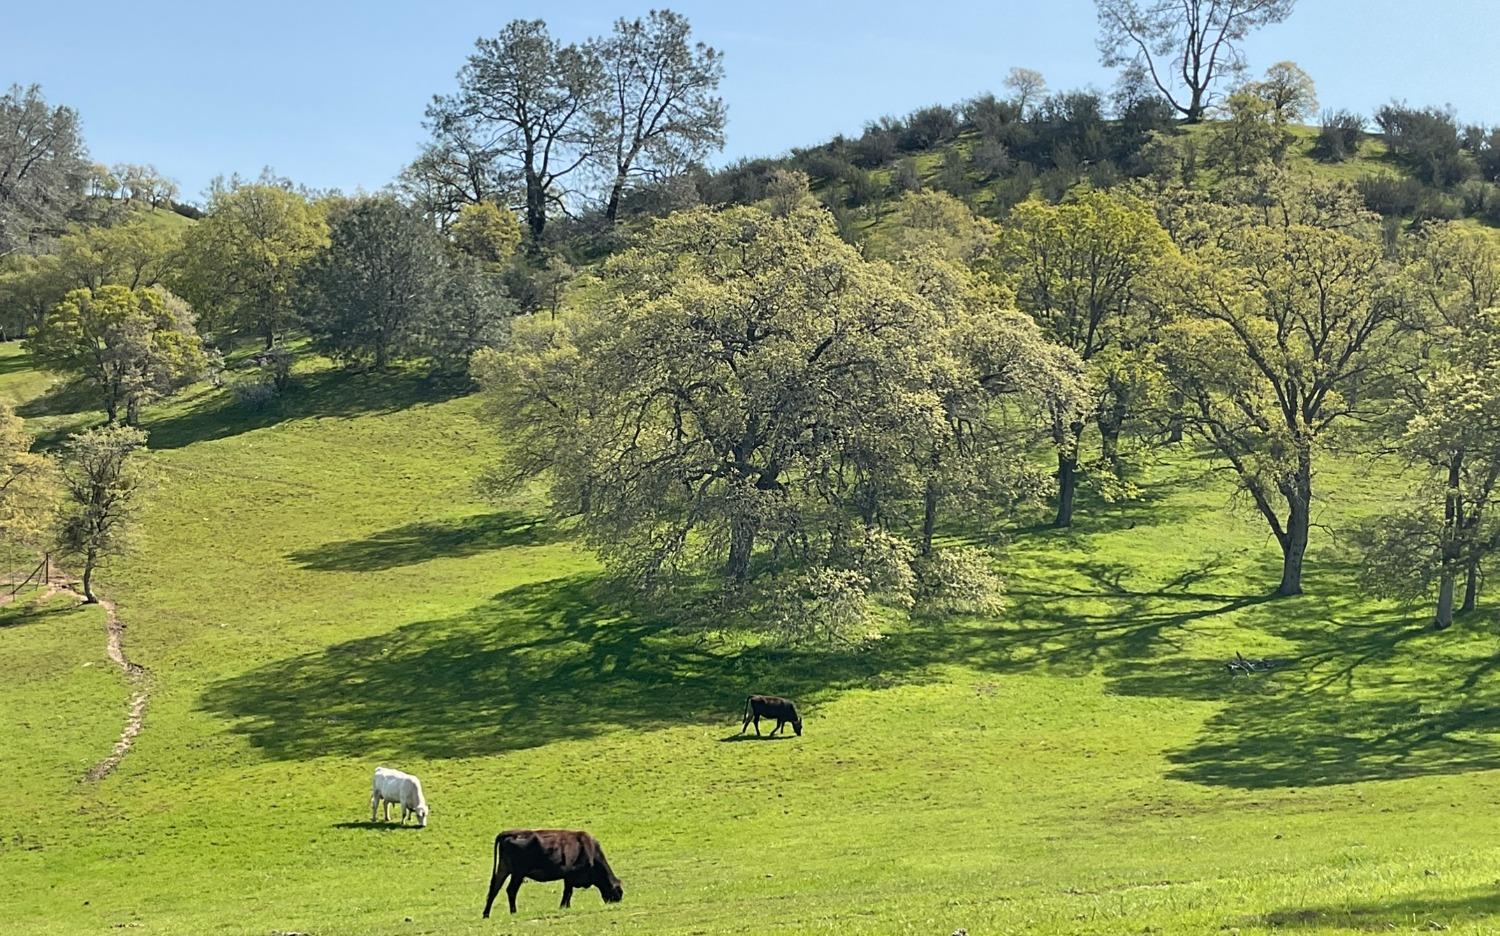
<point x="1359" y="697"/>
<point x="320" y="394"/>
<point x="1432" y="913"/>
<point x="545" y="662"/>
<point x="63" y="398"/>
<point x="419" y="542"/>
<point x="1353" y="694"/>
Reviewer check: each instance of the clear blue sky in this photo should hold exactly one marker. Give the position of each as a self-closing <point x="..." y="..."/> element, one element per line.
<point x="331" y="92"/>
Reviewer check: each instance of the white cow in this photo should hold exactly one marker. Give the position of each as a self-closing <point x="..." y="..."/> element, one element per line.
<point x="393" y="786"/>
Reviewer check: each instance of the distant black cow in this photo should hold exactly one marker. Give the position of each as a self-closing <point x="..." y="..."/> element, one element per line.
<point x="574" y="858"/>
<point x="769" y="706"/>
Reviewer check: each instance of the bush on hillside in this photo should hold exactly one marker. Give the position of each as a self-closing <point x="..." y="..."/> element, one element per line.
<point x="1390" y="195"/>
<point x="1339" y="136"/>
<point x="928" y="127"/>
<point x="1426" y="141"/>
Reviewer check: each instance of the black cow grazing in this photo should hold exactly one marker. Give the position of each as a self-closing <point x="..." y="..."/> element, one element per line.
<point x="770" y="706"/>
<point x="574" y="858"/>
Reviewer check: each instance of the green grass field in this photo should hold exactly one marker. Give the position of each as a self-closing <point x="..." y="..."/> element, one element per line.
<point x="319" y="591"/>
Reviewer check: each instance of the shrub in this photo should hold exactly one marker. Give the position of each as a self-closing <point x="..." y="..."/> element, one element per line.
<point x="877" y="145"/>
<point x="989" y="159"/>
<point x="253" y="392"/>
<point x="959" y="581"/>
<point x="906" y="178"/>
<point x="1390" y="195"/>
<point x="1427" y="141"/>
<point x="928" y="127"/>
<point x="1339" y="137"/>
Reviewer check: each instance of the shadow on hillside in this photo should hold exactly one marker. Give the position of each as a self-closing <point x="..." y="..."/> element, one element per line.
<point x="325" y="393"/>
<point x="1093" y="516"/>
<point x="1353" y="697"/>
<point x="15" y="363"/>
<point x="438" y="539"/>
<point x="379" y="826"/>
<point x="1428" y="913"/>
<point x="536" y="664"/>
<point x="63" y="398"/>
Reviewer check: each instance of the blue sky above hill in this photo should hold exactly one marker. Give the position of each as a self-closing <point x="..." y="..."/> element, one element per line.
<point x="332" y="93"/>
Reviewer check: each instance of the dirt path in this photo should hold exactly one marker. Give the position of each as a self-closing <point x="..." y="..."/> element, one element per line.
<point x="114" y="647"/>
<point x="134" y="672"/>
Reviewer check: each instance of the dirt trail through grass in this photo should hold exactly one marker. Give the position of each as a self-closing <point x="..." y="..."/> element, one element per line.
<point x="115" y="649"/>
<point x="134" y="672"/>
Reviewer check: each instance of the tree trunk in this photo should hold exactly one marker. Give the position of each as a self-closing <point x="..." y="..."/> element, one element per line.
<point x="1448" y="551"/>
<point x="1174" y="418"/>
<point x="741" y="545"/>
<point x="111" y="410"/>
<point x="1067" y="484"/>
<point x="133" y="411"/>
<point x="1299" y="520"/>
<point x="1471" y="588"/>
<point x="536" y="210"/>
<point x="1109" y="443"/>
<point x="929" y="516"/>
<point x="90" y="557"/>
<point x="612" y="207"/>
<point x="270" y="335"/>
<point x="1444" y="617"/>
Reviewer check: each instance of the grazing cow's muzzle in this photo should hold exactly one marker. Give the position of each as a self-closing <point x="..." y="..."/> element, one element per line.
<point x="612" y="893"/>
<point x="797" y="727"/>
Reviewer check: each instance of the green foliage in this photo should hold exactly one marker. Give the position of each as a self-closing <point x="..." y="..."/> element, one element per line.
<point x="130" y="345"/>
<point x="366" y="296"/>
<point x="746" y="392"/>
<point x="940" y="223"/>
<point x="1089" y="272"/>
<point x="1289" y="91"/>
<point x="1252" y="138"/>
<point x="485" y="231"/>
<point x="27" y="491"/>
<point x="241" y="261"/>
<point x="1340" y="136"/>
<point x="960" y="580"/>
<point x="101" y="479"/>
<point x="1286" y="321"/>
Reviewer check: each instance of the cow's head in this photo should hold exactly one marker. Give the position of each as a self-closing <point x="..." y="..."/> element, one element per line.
<point x="612" y="890"/>
<point x="422" y="815"/>
<point x="609" y="886"/>
<point x="797" y="725"/>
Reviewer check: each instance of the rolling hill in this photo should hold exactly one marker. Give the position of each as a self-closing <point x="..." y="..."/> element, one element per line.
<point x="318" y="591"/>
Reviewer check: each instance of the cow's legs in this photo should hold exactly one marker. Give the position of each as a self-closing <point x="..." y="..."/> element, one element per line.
<point x="374" y="805"/>
<point x="496" y="880"/>
<point x="386" y="809"/>
<point x="567" y="896"/>
<point x="779" y="725"/>
<point x="513" y="890"/>
<point x="757" y="724"/>
<point x="746" y="724"/>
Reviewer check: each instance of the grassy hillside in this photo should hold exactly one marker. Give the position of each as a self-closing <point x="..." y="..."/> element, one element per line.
<point x="319" y="591"/>
<point x="875" y="219"/>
